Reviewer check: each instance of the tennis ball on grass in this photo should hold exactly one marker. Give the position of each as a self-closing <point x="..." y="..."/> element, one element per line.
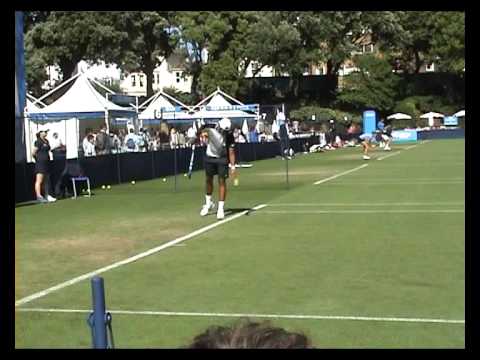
<point x="103" y="187"/>
<point x="108" y="187"/>
<point x="185" y="174"/>
<point x="164" y="179"/>
<point x="133" y="182"/>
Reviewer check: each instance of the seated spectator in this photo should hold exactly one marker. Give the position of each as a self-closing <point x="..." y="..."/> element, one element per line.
<point x="249" y="335"/>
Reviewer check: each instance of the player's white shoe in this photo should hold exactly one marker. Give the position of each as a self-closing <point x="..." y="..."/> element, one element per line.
<point x="366" y="157"/>
<point x="206" y="208"/>
<point x="51" y="198"/>
<point x="220" y="214"/>
<point x="387" y="148"/>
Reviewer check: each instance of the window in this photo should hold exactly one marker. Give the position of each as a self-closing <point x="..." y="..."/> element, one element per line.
<point x="141" y="80"/>
<point x="177" y="74"/>
<point x="158" y="78"/>
<point x="133" y="81"/>
<point x="430" y="67"/>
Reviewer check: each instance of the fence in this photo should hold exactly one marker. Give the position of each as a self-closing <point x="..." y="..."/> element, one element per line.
<point x="125" y="167"/>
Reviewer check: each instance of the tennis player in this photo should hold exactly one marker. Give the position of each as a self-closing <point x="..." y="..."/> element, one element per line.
<point x="219" y="159"/>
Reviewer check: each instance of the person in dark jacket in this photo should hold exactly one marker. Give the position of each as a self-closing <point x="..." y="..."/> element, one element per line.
<point x="41" y="154"/>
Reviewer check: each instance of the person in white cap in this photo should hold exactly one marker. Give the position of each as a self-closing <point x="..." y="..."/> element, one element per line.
<point x="41" y="154"/>
<point x="219" y="158"/>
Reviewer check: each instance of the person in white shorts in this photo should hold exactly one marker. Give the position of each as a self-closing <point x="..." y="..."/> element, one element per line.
<point x="365" y="140"/>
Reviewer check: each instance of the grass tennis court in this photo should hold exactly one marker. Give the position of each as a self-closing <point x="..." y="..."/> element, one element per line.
<point x="372" y="258"/>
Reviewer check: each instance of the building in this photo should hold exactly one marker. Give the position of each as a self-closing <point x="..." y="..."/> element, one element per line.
<point x="170" y="73"/>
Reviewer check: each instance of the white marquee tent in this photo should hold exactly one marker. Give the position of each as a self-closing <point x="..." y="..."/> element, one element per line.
<point x="160" y="107"/>
<point x="399" y="116"/>
<point x="431" y="116"/>
<point x="80" y="107"/>
<point x="218" y="107"/>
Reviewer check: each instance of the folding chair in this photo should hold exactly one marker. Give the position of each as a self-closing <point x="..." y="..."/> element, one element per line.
<point x="80" y="178"/>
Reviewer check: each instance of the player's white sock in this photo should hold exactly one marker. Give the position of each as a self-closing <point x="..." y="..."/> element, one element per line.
<point x="208" y="199"/>
<point x="221" y="204"/>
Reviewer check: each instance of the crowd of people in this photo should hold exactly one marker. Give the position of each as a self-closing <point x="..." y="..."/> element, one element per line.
<point x="143" y="140"/>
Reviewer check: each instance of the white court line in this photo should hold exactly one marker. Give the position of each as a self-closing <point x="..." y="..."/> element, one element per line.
<point x="381" y="211"/>
<point x="406" y="182"/>
<point x="308" y="317"/>
<point x="410" y="147"/>
<point x="389" y="155"/>
<point x="341" y="174"/>
<point x="369" y="204"/>
<point x="132" y="259"/>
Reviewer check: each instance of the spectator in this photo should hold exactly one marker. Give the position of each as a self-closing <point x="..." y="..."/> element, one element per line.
<point x="249" y="335"/>
<point x="131" y="142"/>
<point x="41" y="150"/>
<point x="89" y="145"/>
<point x="115" y="142"/>
<point x="191" y="135"/>
<point x="57" y="147"/>
<point x="253" y="134"/>
<point x="102" y="141"/>
<point x="142" y="141"/>
<point x="174" y="141"/>
<point x="181" y="139"/>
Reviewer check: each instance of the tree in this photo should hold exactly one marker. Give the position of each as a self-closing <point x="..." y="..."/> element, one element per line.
<point x="65" y="38"/>
<point x="146" y="40"/>
<point x="373" y="86"/>
<point x="448" y="41"/>
<point x="221" y="34"/>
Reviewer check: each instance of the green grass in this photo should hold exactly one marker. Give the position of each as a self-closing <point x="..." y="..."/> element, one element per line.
<point x="273" y="261"/>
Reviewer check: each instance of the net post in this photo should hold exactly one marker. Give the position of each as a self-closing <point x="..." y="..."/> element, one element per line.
<point x="96" y="319"/>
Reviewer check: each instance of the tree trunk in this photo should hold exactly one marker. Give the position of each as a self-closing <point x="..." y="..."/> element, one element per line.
<point x="67" y="68"/>
<point x="418" y="62"/>
<point x="148" y="70"/>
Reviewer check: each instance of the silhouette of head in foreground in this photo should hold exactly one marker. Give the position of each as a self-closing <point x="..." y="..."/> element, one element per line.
<point x="248" y="335"/>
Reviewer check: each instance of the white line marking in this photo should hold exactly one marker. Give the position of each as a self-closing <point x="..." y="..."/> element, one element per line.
<point x="389" y="155"/>
<point x="313" y="317"/>
<point x="370" y="204"/>
<point x="381" y="211"/>
<point x="406" y="182"/>
<point x="341" y="174"/>
<point x="132" y="259"/>
<point x="410" y="147"/>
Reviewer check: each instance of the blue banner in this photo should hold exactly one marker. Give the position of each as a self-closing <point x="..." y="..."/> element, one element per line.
<point x="404" y="135"/>
<point x="369" y="121"/>
<point x="450" y="120"/>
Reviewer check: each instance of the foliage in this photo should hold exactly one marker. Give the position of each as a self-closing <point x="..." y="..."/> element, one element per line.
<point x="184" y="97"/>
<point x="322" y="114"/>
<point x="373" y="86"/>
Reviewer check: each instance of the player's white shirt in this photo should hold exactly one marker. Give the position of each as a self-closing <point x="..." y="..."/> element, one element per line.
<point x="216" y="146"/>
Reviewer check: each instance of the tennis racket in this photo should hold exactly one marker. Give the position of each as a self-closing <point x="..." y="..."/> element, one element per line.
<point x="190" y="166"/>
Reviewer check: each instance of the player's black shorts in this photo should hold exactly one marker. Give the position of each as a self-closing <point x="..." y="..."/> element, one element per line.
<point x="42" y="167"/>
<point x="216" y="166"/>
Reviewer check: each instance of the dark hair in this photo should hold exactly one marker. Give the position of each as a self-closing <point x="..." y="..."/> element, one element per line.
<point x="248" y="335"/>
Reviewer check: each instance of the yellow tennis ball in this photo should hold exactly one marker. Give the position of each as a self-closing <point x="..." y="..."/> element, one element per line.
<point x="103" y="187"/>
<point x="133" y="182"/>
<point x="164" y="180"/>
<point x="108" y="187"/>
<point x="235" y="182"/>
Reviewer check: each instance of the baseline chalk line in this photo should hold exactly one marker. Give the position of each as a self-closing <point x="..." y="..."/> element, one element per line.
<point x="280" y="316"/>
